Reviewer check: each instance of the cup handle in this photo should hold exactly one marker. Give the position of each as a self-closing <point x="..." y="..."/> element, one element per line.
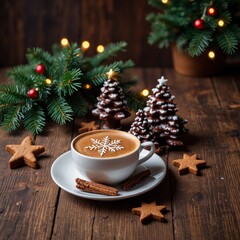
<point x="151" y="151"/>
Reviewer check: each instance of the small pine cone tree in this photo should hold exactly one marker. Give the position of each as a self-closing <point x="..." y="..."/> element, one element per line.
<point x="142" y="130"/>
<point x="111" y="106"/>
<point x="140" y="127"/>
<point x="166" y="125"/>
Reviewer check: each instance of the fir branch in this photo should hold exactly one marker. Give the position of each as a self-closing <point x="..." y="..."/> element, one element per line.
<point x="228" y="40"/>
<point x="125" y="65"/>
<point x="174" y="22"/>
<point x="79" y="105"/>
<point x="65" y="60"/>
<point x="21" y="74"/>
<point x="68" y="82"/>
<point x="161" y="34"/>
<point x="98" y="75"/>
<point x="37" y="55"/>
<point x="59" y="110"/>
<point x="35" y="120"/>
<point x="183" y="40"/>
<point x="110" y="50"/>
<point x="199" y="43"/>
<point x="11" y="118"/>
<point x="63" y="94"/>
<point x="135" y="101"/>
<point x="12" y="94"/>
<point x="127" y="84"/>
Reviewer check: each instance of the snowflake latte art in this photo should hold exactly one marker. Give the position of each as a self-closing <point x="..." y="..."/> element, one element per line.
<point x="106" y="144"/>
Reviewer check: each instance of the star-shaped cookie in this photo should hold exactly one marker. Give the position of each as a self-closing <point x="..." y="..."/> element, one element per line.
<point x="149" y="211"/>
<point x="88" y="126"/>
<point x="189" y="164"/>
<point x="24" y="153"/>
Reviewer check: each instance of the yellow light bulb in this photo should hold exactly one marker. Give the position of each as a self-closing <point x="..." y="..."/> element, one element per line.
<point x="85" y="45"/>
<point x="87" y="86"/>
<point x="221" y="23"/>
<point x="145" y="92"/>
<point x="211" y="54"/>
<point x="64" y="42"/>
<point x="164" y="1"/>
<point x="48" y="81"/>
<point x="100" y="48"/>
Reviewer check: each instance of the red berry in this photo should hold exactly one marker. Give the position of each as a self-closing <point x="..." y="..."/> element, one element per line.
<point x="32" y="93"/>
<point x="199" y="24"/>
<point x="40" y="69"/>
<point x="211" y="11"/>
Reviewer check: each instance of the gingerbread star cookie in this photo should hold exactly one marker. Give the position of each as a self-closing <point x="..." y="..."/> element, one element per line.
<point x="24" y="153"/>
<point x="189" y="164"/>
<point x="149" y="211"/>
<point x="88" y="126"/>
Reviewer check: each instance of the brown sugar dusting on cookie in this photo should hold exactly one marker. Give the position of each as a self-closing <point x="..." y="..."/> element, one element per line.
<point x="24" y="153"/>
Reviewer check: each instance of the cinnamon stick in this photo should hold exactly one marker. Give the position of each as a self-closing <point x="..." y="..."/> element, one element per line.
<point x="135" y="179"/>
<point x="93" y="187"/>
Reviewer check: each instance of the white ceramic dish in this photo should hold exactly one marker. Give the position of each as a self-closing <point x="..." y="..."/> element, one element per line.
<point x="64" y="174"/>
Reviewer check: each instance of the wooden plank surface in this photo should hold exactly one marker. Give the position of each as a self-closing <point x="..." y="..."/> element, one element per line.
<point x="207" y="204"/>
<point x="199" y="207"/>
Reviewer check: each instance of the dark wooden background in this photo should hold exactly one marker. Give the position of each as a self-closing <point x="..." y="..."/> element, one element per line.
<point x="32" y="23"/>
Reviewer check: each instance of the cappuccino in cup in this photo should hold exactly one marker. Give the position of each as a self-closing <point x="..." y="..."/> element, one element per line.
<point x="106" y="144"/>
<point x="108" y="156"/>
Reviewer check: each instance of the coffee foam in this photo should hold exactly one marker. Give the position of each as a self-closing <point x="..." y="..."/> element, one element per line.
<point x="106" y="143"/>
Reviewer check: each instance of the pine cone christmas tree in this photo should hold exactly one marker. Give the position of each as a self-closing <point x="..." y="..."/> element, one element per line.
<point x="142" y="130"/>
<point x="166" y="125"/>
<point x="111" y="106"/>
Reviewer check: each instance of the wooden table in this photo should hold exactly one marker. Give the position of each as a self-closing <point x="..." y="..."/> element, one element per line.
<point x="207" y="207"/>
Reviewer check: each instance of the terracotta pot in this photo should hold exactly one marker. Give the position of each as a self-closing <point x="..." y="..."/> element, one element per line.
<point x="197" y="66"/>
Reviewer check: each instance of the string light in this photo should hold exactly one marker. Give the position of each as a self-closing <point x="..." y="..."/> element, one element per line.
<point x="221" y="23"/>
<point x="145" y="92"/>
<point x="87" y="86"/>
<point x="100" y="48"/>
<point x="48" y="81"/>
<point x="64" y="42"/>
<point x="85" y="45"/>
<point x="164" y="1"/>
<point x="211" y="54"/>
<point x="211" y="11"/>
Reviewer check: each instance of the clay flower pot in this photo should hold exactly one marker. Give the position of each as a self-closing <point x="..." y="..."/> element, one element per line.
<point x="197" y="66"/>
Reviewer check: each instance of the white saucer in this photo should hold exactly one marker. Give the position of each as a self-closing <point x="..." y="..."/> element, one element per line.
<point x="64" y="174"/>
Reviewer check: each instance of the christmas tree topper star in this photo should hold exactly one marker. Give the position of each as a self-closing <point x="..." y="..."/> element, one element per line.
<point x="112" y="75"/>
<point x="162" y="81"/>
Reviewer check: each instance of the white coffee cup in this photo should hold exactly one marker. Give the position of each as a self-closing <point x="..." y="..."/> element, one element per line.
<point x="108" y="156"/>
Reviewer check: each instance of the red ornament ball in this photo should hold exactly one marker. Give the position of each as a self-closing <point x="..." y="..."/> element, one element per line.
<point x="32" y="93"/>
<point x="211" y="11"/>
<point x="199" y="24"/>
<point x="40" y="69"/>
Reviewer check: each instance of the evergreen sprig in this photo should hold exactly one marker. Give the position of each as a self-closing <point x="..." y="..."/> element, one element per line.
<point x="61" y="90"/>
<point x="174" y="23"/>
